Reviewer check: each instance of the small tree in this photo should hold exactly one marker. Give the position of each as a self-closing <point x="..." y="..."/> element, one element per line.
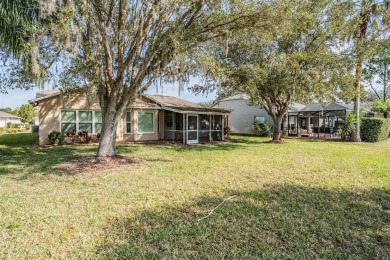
<point x="27" y="113"/>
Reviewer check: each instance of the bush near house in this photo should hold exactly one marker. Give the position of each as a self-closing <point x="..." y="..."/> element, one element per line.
<point x="1" y="130"/>
<point x="375" y="129"/>
<point x="13" y="130"/>
<point x="56" y="137"/>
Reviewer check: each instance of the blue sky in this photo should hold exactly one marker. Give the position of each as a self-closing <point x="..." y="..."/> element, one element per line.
<point x="17" y="97"/>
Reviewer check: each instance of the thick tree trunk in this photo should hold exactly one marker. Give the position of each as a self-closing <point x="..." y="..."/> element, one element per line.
<point x="359" y="71"/>
<point x="107" y="138"/>
<point x="112" y="112"/>
<point x="277" y="128"/>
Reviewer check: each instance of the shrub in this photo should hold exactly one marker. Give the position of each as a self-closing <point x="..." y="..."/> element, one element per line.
<point x="1" y="130"/>
<point x="27" y="126"/>
<point x="348" y="126"/>
<point x="56" y="137"/>
<point x="84" y="137"/>
<point x="375" y="129"/>
<point x="264" y="129"/>
<point x="17" y="125"/>
<point x="13" y="130"/>
<point x="227" y="130"/>
<point x="9" y="124"/>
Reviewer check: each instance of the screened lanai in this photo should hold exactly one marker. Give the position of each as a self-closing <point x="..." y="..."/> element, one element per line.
<point x="318" y="120"/>
<point x="194" y="125"/>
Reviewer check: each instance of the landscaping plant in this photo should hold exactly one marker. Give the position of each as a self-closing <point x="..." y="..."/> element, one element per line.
<point x="56" y="137"/>
<point x="264" y="129"/>
<point x="348" y="126"/>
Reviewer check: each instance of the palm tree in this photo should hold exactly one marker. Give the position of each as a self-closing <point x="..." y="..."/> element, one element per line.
<point x="372" y="19"/>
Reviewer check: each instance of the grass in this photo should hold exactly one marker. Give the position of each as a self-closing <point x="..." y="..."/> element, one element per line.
<point x="297" y="200"/>
<point x="22" y="139"/>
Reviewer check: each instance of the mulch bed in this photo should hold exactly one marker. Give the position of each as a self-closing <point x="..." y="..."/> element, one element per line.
<point x="95" y="164"/>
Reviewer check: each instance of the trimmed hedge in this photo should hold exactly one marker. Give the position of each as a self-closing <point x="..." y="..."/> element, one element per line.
<point x="13" y="130"/>
<point x="375" y="129"/>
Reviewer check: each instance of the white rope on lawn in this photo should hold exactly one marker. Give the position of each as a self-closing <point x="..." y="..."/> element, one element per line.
<point x="214" y="209"/>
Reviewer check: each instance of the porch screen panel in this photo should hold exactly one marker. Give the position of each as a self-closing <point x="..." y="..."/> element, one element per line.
<point x="204" y="136"/>
<point x="216" y="135"/>
<point x="168" y="119"/>
<point x="204" y="133"/>
<point x="217" y="122"/>
<point x="179" y="121"/>
<point x="145" y="122"/>
<point x="204" y="122"/>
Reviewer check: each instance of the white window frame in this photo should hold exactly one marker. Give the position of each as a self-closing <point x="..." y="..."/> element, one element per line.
<point x="146" y="112"/>
<point x="77" y="122"/>
<point x="131" y="123"/>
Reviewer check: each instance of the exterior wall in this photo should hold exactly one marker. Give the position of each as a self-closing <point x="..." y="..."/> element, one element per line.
<point x="134" y="135"/>
<point x="4" y="121"/>
<point x="50" y="111"/>
<point x="242" y="117"/>
<point x="50" y="117"/>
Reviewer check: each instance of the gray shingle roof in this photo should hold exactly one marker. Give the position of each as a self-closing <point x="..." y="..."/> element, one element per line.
<point x="198" y="109"/>
<point x="314" y="107"/>
<point x="7" y="115"/>
<point x="171" y="101"/>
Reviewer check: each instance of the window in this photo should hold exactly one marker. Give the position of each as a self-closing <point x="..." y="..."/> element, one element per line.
<point x="260" y="119"/>
<point x="128" y="122"/>
<point x="145" y="122"/>
<point x="98" y="119"/>
<point x="81" y="120"/>
<point x="68" y="121"/>
<point x="85" y="121"/>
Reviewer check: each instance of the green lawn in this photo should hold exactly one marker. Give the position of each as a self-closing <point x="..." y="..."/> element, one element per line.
<point x="297" y="200"/>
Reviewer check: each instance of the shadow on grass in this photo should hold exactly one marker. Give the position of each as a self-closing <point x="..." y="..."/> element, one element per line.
<point x="24" y="160"/>
<point x="27" y="160"/>
<point x="274" y="222"/>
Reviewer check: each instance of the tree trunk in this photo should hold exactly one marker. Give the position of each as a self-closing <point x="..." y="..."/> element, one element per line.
<point x="108" y="135"/>
<point x="112" y="112"/>
<point x="359" y="71"/>
<point x="277" y="128"/>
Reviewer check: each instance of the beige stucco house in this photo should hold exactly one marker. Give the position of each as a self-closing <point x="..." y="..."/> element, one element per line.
<point x="149" y="118"/>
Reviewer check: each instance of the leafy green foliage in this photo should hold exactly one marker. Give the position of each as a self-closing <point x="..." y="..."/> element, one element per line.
<point x="382" y="107"/>
<point x="377" y="72"/>
<point x="348" y="126"/>
<point x="27" y="113"/>
<point x="13" y="130"/>
<point x="56" y="137"/>
<point x="375" y="129"/>
<point x="289" y="59"/>
<point x="264" y="129"/>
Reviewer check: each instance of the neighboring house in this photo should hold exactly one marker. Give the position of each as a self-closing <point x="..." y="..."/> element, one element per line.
<point x="6" y="117"/>
<point x="242" y="117"/>
<point x="317" y="118"/>
<point x="149" y="118"/>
